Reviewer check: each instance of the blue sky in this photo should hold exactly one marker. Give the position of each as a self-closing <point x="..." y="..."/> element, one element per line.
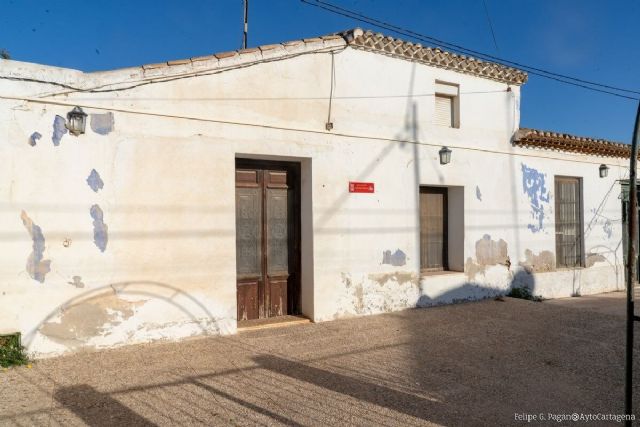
<point x="590" y="39"/>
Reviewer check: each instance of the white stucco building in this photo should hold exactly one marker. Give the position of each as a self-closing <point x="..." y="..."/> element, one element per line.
<point x="300" y="178"/>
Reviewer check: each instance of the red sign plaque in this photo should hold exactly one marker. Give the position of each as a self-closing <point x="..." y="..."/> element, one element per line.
<point x="361" y="187"/>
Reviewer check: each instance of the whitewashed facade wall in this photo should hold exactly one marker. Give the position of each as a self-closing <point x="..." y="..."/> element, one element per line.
<point x="167" y="270"/>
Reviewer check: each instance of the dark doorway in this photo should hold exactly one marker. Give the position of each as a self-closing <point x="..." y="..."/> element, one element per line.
<point x="267" y="238"/>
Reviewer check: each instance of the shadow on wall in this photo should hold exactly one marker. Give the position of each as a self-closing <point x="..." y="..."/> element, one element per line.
<point x="473" y="291"/>
<point x="97" y="312"/>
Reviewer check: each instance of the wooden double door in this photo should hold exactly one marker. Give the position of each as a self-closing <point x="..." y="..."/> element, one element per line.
<point x="267" y="239"/>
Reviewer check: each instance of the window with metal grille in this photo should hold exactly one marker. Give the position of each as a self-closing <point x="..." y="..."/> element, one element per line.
<point x="433" y="229"/>
<point x="569" y="237"/>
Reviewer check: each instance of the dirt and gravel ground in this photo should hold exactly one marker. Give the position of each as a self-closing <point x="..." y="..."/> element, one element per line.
<point x="468" y="364"/>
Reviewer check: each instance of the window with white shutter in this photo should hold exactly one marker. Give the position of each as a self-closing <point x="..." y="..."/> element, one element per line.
<point x="447" y="105"/>
<point x="444" y="111"/>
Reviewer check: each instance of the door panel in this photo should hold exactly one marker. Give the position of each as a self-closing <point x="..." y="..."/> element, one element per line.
<point x="248" y="297"/>
<point x="277" y="296"/>
<point x="277" y="236"/>
<point x="265" y="229"/>
<point x="249" y="232"/>
<point x="248" y="243"/>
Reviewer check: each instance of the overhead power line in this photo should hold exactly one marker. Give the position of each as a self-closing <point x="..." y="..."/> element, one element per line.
<point x="300" y="130"/>
<point x="486" y="11"/>
<point x="562" y="78"/>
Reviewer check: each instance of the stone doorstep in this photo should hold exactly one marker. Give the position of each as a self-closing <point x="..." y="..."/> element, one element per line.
<point x="272" y="322"/>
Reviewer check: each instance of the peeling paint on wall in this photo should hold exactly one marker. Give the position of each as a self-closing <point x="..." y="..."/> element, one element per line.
<point x="377" y="293"/>
<point x="59" y="129"/>
<point x="591" y="258"/>
<point x="544" y="261"/>
<point x="488" y="252"/>
<point x="33" y="139"/>
<point x="81" y="322"/>
<point x="94" y="181"/>
<point x="100" y="229"/>
<point x="397" y="259"/>
<point x="534" y="186"/>
<point x="102" y="124"/>
<point x="77" y="282"/>
<point x="37" y="267"/>
<point x="478" y="193"/>
<point x="399" y="277"/>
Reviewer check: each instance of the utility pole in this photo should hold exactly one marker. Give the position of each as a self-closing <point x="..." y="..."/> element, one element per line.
<point x="631" y="269"/>
<point x="246" y="24"/>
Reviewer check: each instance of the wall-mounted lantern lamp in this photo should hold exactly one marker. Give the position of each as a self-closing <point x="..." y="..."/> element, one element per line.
<point x="76" y="121"/>
<point x="445" y="155"/>
<point x="604" y="171"/>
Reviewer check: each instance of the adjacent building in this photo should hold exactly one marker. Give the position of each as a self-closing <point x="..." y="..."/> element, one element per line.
<point x="338" y="176"/>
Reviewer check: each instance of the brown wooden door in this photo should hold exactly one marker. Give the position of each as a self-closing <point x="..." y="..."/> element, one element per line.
<point x="433" y="228"/>
<point x="266" y="241"/>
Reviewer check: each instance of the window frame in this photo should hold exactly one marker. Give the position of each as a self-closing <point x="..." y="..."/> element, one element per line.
<point x="451" y="91"/>
<point x="580" y="204"/>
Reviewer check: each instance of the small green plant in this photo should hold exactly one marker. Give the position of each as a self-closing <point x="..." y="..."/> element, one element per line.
<point x="524" y="293"/>
<point x="12" y="353"/>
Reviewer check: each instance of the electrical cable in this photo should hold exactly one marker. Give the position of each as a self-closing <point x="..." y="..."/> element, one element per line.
<point x="493" y="35"/>
<point x="152" y="80"/>
<point x="300" y="130"/>
<point x="466" y="51"/>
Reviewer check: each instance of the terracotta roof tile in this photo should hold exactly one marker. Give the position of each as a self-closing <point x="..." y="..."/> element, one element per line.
<point x="229" y="54"/>
<point x="548" y="140"/>
<point x="179" y="62"/>
<point x="153" y="66"/>
<point x="372" y="42"/>
<point x="270" y="47"/>
<point x="203" y="58"/>
<point x="249" y="50"/>
<point x="377" y="42"/>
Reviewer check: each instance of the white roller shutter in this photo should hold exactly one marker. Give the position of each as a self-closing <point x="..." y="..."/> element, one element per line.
<point x="444" y="111"/>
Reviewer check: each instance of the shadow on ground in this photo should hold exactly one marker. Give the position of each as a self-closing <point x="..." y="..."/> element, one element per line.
<point x="472" y="364"/>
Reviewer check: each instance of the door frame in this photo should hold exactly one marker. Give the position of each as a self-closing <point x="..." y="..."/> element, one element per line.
<point x="444" y="191"/>
<point x="294" y="288"/>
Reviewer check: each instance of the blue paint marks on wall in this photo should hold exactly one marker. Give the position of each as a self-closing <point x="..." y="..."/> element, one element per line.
<point x="607" y="227"/>
<point x="100" y="229"/>
<point x="33" y="139"/>
<point x="478" y="193"/>
<point x="102" y="124"/>
<point x="94" y="181"/>
<point x="37" y="267"/>
<point x="59" y="129"/>
<point x="397" y="258"/>
<point x="534" y="186"/>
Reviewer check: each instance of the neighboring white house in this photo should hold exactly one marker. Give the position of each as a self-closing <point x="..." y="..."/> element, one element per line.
<point x="302" y="178"/>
